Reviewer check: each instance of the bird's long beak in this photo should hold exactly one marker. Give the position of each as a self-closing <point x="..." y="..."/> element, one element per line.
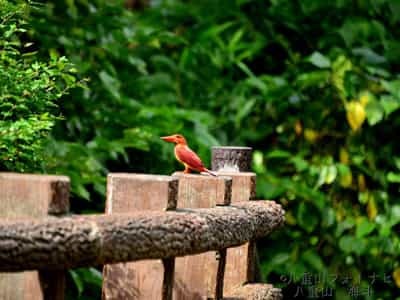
<point x="170" y="138"/>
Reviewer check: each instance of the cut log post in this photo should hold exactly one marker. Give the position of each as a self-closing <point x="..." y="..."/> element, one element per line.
<point x="196" y="276"/>
<point x="32" y="196"/>
<point x="71" y="242"/>
<point x="231" y="159"/>
<point x="148" y="279"/>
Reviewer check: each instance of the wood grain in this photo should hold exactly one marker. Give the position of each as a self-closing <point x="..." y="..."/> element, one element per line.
<point x="33" y="196"/>
<point x="196" y="275"/>
<point x="132" y="193"/>
<point x="240" y="261"/>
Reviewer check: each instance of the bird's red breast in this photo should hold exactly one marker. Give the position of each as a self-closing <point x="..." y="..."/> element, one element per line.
<point x="186" y="156"/>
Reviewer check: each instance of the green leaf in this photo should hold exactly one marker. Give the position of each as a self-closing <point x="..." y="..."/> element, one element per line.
<point x="393" y="87"/>
<point x="347" y="224"/>
<point x="374" y="112"/>
<point x="312" y="79"/>
<point x="350" y="244"/>
<point x="369" y="55"/>
<point x="111" y="84"/>
<point x="92" y="276"/>
<point x="389" y="104"/>
<point x="319" y="60"/>
<point x="312" y="258"/>
<point x="277" y="153"/>
<point x="306" y="217"/>
<point x="364" y="227"/>
<point x="81" y="191"/>
<point x="327" y="175"/>
<point x="279" y="258"/>
<point x="258" y="161"/>
<point x="244" y="111"/>
<point x="393" y="177"/>
<point x="270" y="190"/>
<point x="331" y="174"/>
<point x="328" y="217"/>
<point x="397" y="162"/>
<point x="299" y="163"/>
<point x="77" y="281"/>
<point x="395" y="214"/>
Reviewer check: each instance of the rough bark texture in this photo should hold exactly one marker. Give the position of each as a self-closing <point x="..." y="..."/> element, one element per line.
<point x="33" y="196"/>
<point x="70" y="242"/>
<point x="231" y="159"/>
<point x="133" y="193"/>
<point x="255" y="291"/>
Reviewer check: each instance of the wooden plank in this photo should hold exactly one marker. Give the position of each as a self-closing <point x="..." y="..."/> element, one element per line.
<point x="196" y="275"/>
<point x="130" y="193"/>
<point x="203" y="191"/>
<point x="28" y="195"/>
<point x="240" y="261"/>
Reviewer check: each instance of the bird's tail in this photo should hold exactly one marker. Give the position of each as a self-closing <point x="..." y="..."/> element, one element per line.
<point x="210" y="172"/>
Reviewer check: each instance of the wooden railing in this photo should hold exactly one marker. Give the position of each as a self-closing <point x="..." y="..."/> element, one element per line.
<point x="162" y="237"/>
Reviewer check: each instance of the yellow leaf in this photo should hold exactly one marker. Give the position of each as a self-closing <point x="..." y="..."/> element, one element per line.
<point x="372" y="210"/>
<point x="310" y="135"/>
<point x="355" y="114"/>
<point x="155" y="43"/>
<point x="344" y="156"/>
<point x="298" y="128"/>
<point x="364" y="99"/>
<point x="346" y="180"/>
<point x="339" y="67"/>
<point x="362" y="186"/>
<point x="290" y="219"/>
<point x="340" y="214"/>
<point x="396" y="276"/>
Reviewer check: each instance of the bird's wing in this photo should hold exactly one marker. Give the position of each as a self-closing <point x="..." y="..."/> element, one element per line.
<point x="188" y="157"/>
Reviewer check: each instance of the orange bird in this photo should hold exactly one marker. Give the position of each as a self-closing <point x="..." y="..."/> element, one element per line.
<point x="185" y="155"/>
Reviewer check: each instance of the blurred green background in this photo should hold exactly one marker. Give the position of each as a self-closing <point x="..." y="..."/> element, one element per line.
<point x="87" y="88"/>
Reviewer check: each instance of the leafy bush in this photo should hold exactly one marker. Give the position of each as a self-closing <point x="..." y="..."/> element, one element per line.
<point x="29" y="89"/>
<point x="311" y="85"/>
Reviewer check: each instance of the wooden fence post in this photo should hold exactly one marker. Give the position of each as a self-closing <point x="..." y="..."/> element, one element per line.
<point x="231" y="158"/>
<point x="26" y="195"/>
<point x="142" y="279"/>
<point x="235" y="162"/>
<point x="196" y="275"/>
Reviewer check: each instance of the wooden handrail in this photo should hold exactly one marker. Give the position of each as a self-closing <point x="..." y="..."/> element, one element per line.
<point x="69" y="242"/>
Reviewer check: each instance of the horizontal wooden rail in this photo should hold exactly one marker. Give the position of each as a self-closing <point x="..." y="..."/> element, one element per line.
<point x="69" y="242"/>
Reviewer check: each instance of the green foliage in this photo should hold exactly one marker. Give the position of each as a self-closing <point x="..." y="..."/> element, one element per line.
<point x="28" y="91"/>
<point x="313" y="86"/>
<point x="84" y="280"/>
